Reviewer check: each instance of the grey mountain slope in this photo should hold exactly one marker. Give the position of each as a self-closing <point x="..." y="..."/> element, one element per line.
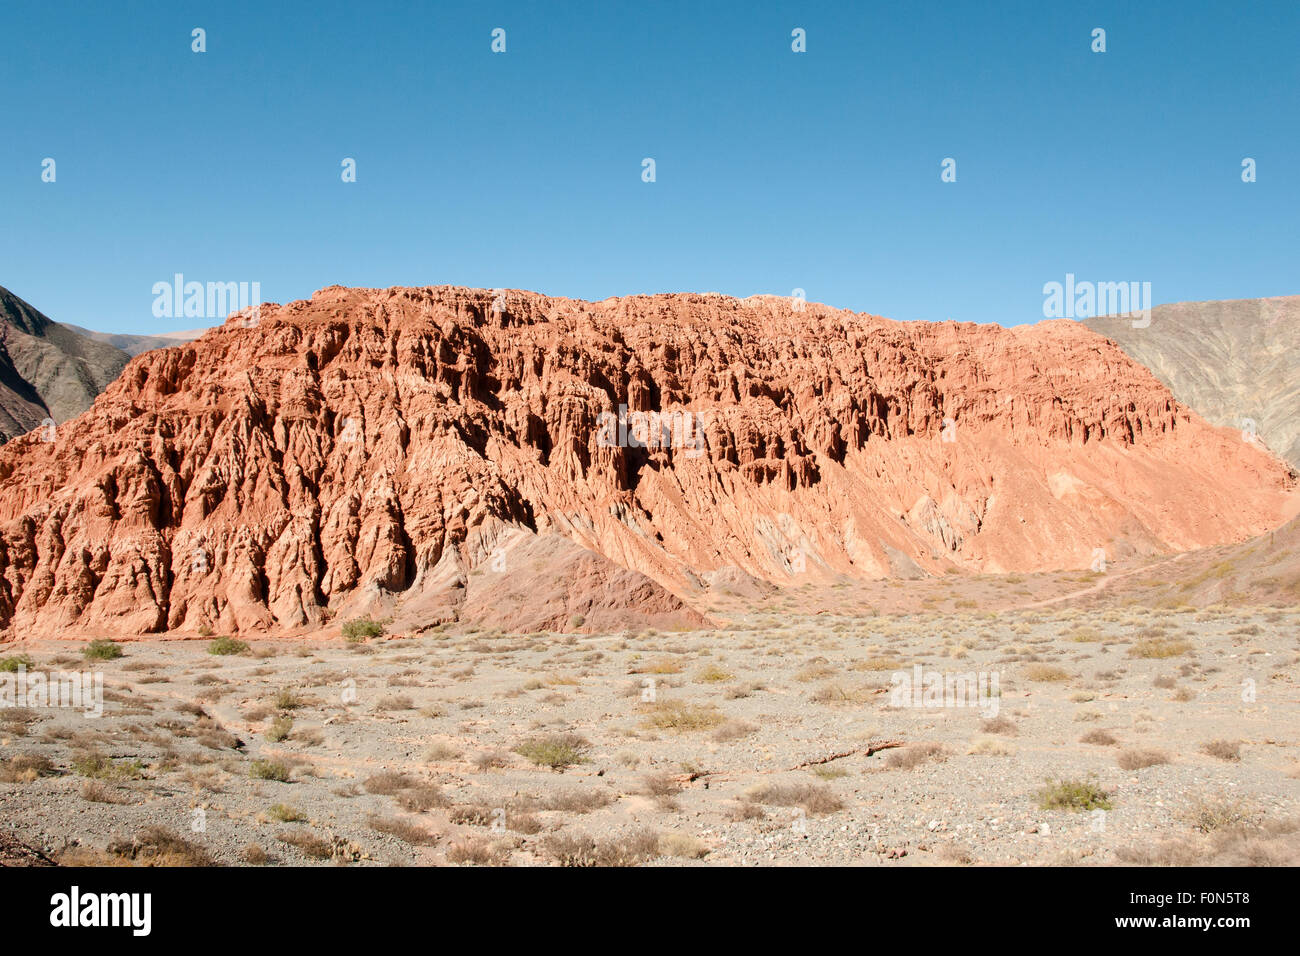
<point x="46" y="369"/>
<point x="133" y="345"/>
<point x="1234" y="361"/>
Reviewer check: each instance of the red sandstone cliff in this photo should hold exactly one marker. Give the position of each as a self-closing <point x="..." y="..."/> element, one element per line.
<point x="420" y="452"/>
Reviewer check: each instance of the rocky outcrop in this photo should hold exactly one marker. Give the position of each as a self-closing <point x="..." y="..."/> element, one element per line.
<point x="384" y="451"/>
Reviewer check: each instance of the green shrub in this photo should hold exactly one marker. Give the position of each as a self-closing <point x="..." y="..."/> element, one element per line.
<point x="287" y="699"/>
<point x="102" y="650"/>
<point x="285" y="814"/>
<point x="359" y="628"/>
<point x="269" y="770"/>
<point x="225" y="645"/>
<point x="99" y="767"/>
<point x="279" y="729"/>
<point x="556" y="751"/>
<point x="1073" y="795"/>
<point x="11" y="664"/>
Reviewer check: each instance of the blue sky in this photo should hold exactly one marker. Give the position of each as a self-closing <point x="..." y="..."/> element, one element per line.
<point x="775" y="170"/>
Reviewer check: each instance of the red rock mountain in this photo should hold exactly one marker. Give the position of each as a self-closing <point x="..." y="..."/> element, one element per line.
<point x="437" y="453"/>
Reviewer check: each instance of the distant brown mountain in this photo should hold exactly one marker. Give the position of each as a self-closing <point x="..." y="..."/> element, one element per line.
<point x="1237" y="362"/>
<point x="48" y="371"/>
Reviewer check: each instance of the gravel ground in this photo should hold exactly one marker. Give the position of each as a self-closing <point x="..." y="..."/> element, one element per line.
<point x="776" y="741"/>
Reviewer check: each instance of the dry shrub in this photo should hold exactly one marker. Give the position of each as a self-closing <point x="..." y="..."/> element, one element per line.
<point x="476" y="851"/>
<point x="95" y="791"/>
<point x="989" y="747"/>
<point x="998" y="725"/>
<point x="573" y="800"/>
<point x="1101" y="738"/>
<point x="682" y="716"/>
<point x="254" y="855"/>
<point x="158" y="846"/>
<point x="1139" y="758"/>
<point x="914" y="755"/>
<point x="682" y="846"/>
<point x="1046" y="673"/>
<point x="306" y="841"/>
<point x="25" y="767"/>
<point x="812" y="798"/>
<point x="1209" y="814"/>
<point x="1222" y="749"/>
<point x="733" y="730"/>
<point x="1159" y="647"/>
<point x="404" y="830"/>
<point x="421" y="798"/>
<point x="629" y="849"/>
<point x="660" y="785"/>
<point x="389" y="783"/>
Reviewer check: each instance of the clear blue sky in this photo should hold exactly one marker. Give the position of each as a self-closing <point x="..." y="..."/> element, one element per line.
<point x="775" y="170"/>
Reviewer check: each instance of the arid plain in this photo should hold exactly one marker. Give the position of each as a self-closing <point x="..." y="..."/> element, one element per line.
<point x="1119" y="733"/>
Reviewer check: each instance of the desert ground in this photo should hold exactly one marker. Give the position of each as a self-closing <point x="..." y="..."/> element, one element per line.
<point x="1120" y="733"/>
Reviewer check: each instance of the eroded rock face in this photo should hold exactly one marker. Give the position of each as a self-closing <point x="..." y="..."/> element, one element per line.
<point x="373" y="450"/>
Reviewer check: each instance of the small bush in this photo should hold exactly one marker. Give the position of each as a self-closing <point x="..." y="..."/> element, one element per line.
<point x="403" y="830"/>
<point x="24" y="768"/>
<point x="1138" y="759"/>
<point x="158" y="846"/>
<point x="254" y="855"/>
<point x="287" y="699"/>
<point x="282" y="813"/>
<point x="420" y="798"/>
<point x="1073" y="795"/>
<point x="713" y="674"/>
<point x="1099" y="737"/>
<point x="814" y="799"/>
<point x="225" y="646"/>
<point x="1222" y="749"/>
<point x="10" y="665"/>
<point x="475" y="851"/>
<point x="279" y="728"/>
<point x="1209" y="815"/>
<point x="99" y="767"/>
<point x="682" y="845"/>
<point x="680" y="716"/>
<point x="998" y="725"/>
<point x="359" y="628"/>
<point x="660" y="785"/>
<point x="95" y="791"/>
<point x="1045" y="672"/>
<point x="629" y="850"/>
<point x="913" y="755"/>
<point x="389" y="783"/>
<point x="1159" y="647"/>
<point x="102" y="650"/>
<point x="269" y="770"/>
<point x="556" y="751"/>
<point x="310" y="844"/>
